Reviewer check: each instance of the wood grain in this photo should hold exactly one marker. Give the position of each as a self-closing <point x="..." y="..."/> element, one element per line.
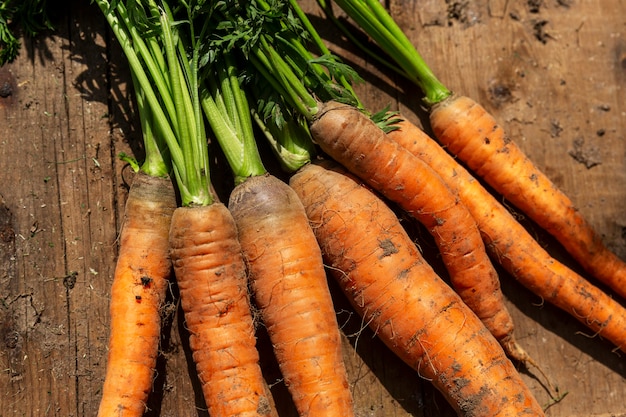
<point x="552" y="72"/>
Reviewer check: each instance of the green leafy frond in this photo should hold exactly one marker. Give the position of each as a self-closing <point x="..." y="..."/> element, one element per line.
<point x="32" y="16"/>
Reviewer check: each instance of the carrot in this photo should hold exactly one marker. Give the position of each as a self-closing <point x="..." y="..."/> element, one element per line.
<point x="141" y="275"/>
<point x="212" y="280"/>
<point x="143" y="266"/>
<point x="515" y="249"/>
<point x="471" y="134"/>
<point x="405" y="303"/>
<point x="468" y="131"/>
<point x="137" y="295"/>
<point x="289" y="285"/>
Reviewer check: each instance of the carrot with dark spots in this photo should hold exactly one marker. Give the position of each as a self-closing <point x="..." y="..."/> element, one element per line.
<point x="515" y="249"/>
<point x="212" y="280"/>
<point x="142" y="272"/>
<point x="146" y="281"/>
<point x="388" y="248"/>
<point x="406" y="304"/>
<point x="135" y="326"/>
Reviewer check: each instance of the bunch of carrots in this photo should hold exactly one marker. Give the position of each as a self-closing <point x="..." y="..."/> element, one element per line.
<point x="244" y="76"/>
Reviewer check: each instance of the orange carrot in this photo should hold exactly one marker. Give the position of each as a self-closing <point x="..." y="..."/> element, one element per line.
<point x="137" y="295"/>
<point x="291" y="290"/>
<point x="405" y="303"/>
<point x="469" y="132"/>
<point x="211" y="276"/>
<point x="515" y="249"/>
<point x="483" y="296"/>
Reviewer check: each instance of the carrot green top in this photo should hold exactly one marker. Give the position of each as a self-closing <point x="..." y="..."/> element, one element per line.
<point x="372" y="17"/>
<point x="156" y="162"/>
<point x="164" y="62"/>
<point x="252" y="44"/>
<point x="191" y="61"/>
<point x="226" y="108"/>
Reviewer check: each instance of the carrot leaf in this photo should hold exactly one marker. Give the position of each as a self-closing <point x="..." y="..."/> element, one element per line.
<point x="33" y="16"/>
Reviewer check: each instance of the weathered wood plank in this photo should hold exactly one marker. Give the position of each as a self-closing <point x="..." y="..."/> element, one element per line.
<point x="553" y="74"/>
<point x="59" y="187"/>
<point x="37" y="297"/>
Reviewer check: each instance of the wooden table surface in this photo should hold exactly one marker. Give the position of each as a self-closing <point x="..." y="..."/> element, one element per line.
<point x="553" y="72"/>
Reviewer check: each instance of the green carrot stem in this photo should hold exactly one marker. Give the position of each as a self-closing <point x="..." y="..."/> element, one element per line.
<point x="191" y="137"/>
<point x="372" y="17"/>
<point x="167" y="82"/>
<point x="367" y="49"/>
<point x="251" y="164"/>
<point x="226" y="108"/>
<point x="290" y="141"/>
<point x="319" y="43"/>
<point x="155" y="164"/>
<point x="276" y="68"/>
<point x="143" y="81"/>
<point x="152" y="57"/>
